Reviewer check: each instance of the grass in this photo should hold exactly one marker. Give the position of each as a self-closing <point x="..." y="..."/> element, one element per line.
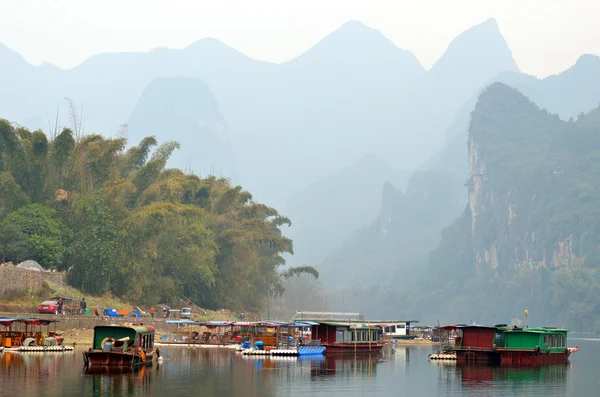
<point x="26" y="301"/>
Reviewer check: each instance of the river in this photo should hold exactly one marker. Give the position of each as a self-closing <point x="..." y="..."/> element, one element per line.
<point x="220" y="372"/>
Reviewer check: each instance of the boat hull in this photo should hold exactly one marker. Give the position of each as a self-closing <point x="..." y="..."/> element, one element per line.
<point x="115" y="359"/>
<point x="511" y="357"/>
<point x="350" y="348"/>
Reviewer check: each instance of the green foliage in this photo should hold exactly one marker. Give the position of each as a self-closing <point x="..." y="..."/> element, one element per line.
<point x="14" y="245"/>
<point x="11" y="194"/>
<point x="97" y="254"/>
<point x="134" y="228"/>
<point x="299" y="270"/>
<point x="47" y="236"/>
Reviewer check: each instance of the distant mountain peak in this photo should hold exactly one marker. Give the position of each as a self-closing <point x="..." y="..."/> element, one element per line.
<point x="8" y="55"/>
<point x="588" y="60"/>
<point x="356" y="43"/>
<point x="481" y="47"/>
<point x="356" y="26"/>
<point x="206" y="42"/>
<point x="209" y="46"/>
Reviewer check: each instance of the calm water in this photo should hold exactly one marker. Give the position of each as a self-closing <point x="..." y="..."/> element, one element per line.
<point x="208" y="372"/>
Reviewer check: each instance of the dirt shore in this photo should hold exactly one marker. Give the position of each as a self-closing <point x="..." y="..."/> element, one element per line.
<point x="79" y="337"/>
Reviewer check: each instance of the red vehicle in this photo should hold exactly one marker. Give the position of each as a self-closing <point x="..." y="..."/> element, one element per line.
<point x="49" y="307"/>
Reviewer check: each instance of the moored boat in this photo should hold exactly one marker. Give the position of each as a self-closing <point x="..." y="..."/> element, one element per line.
<point x="348" y="337"/>
<point x="344" y="332"/>
<point x="503" y="345"/>
<point x="127" y="345"/>
<point x="30" y="335"/>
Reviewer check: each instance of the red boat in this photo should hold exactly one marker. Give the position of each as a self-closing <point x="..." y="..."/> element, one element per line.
<point x="121" y="346"/>
<point x="347" y="337"/>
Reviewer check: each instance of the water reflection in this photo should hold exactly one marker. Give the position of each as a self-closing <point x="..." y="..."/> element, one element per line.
<point x="219" y="372"/>
<point x="119" y="382"/>
<point x="518" y="379"/>
<point x="345" y="366"/>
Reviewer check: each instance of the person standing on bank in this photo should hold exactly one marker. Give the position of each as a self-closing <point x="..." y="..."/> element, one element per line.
<point x="83" y="306"/>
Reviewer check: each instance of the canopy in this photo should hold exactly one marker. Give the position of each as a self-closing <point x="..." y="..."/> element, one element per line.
<point x="7" y="322"/>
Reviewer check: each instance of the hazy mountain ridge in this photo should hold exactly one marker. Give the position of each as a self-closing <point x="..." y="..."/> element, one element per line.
<point x="201" y="128"/>
<point x="352" y="93"/>
<point x="329" y="210"/>
<point x="292" y="124"/>
<point x="453" y="161"/>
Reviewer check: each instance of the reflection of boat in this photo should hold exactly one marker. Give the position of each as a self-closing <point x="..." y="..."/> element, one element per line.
<point x="488" y="374"/>
<point x="121" y="346"/>
<point x="26" y="335"/>
<point x="345" y="365"/>
<point x="109" y="370"/>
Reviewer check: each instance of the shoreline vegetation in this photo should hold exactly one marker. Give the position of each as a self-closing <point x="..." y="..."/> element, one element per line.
<point x="119" y="222"/>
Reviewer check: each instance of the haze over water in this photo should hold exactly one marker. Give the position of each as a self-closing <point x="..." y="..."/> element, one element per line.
<point x="210" y="372"/>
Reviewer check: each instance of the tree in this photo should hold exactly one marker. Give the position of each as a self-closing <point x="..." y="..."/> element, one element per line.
<point x="99" y="263"/>
<point x="47" y="236"/>
<point x="13" y="243"/>
<point x="11" y="194"/>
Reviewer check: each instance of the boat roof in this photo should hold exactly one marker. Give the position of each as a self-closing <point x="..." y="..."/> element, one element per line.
<point x="505" y="327"/>
<point x="354" y="324"/>
<point x="138" y="328"/>
<point x="387" y="323"/>
<point x="541" y="330"/>
<point x="461" y="326"/>
<point x="8" y="321"/>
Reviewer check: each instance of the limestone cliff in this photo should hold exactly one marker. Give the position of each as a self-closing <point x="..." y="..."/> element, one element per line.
<point x="529" y="234"/>
<point x="526" y="175"/>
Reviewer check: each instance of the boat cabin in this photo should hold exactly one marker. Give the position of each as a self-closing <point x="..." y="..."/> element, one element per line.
<point x="18" y="332"/>
<point x="345" y="332"/>
<point x="118" y="338"/>
<point x="397" y="329"/>
<point x="544" y="339"/>
<point x="473" y="337"/>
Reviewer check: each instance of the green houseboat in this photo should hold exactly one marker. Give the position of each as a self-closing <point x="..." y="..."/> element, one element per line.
<point x="127" y="345"/>
<point x="545" y="345"/>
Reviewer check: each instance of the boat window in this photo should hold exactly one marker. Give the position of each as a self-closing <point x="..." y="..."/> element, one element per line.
<point x="374" y="335"/>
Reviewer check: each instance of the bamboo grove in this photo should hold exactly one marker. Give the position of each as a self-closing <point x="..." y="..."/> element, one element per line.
<point x="117" y="220"/>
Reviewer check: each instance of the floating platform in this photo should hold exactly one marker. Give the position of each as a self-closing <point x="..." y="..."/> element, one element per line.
<point x="195" y="345"/>
<point x="40" y="349"/>
<point x="255" y="352"/>
<point x="301" y="351"/>
<point x="443" y="356"/>
<point x="284" y="352"/>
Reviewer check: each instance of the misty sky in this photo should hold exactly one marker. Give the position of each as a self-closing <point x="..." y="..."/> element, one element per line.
<point x="546" y="36"/>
